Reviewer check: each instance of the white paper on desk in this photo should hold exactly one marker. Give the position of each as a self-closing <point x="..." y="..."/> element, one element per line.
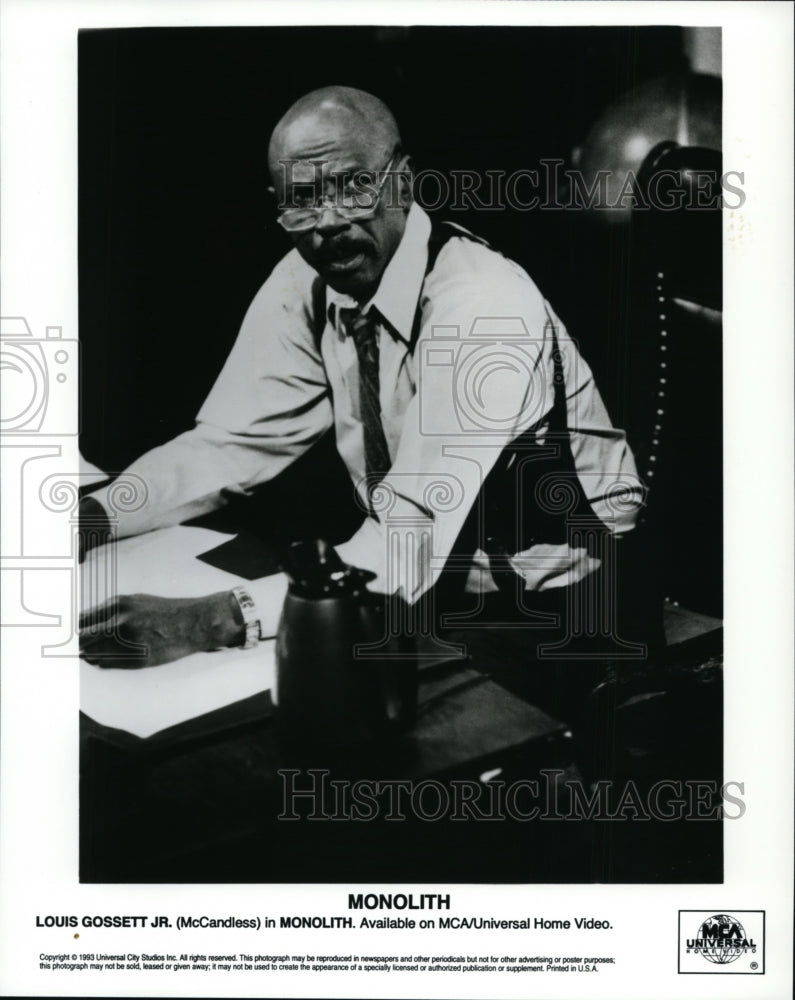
<point x="143" y="702"/>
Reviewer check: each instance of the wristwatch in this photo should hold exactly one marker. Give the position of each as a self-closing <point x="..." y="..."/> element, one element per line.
<point x="250" y="617"/>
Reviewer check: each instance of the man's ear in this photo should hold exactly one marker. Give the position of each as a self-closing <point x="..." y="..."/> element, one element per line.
<point x="406" y="181"/>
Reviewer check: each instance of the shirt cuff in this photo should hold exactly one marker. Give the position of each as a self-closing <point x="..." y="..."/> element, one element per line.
<point x="365" y="550"/>
<point x="399" y="553"/>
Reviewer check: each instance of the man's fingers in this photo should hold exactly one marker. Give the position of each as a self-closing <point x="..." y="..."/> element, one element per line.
<point x="98" y="614"/>
<point x="114" y="659"/>
<point x="105" y="638"/>
<point x="113" y="651"/>
<point x="94" y="638"/>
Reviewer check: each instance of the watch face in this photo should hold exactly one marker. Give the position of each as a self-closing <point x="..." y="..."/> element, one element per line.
<point x="250" y="617"/>
<point x="246" y="602"/>
<point x="252" y="635"/>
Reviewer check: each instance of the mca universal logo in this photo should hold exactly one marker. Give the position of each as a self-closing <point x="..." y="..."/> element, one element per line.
<point x="713" y="941"/>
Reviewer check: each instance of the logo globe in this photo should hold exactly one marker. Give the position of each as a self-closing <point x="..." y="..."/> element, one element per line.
<point x="721" y="939"/>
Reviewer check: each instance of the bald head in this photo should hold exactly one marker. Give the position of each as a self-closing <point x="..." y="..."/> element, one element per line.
<point x="324" y="120"/>
<point x="327" y="142"/>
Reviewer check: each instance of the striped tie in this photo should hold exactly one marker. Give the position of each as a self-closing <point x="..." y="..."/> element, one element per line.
<point x="365" y="336"/>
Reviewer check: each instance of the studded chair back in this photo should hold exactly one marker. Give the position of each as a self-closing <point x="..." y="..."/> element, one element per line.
<point x="677" y="389"/>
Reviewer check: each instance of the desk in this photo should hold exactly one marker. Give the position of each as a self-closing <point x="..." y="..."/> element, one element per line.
<point x="180" y="768"/>
<point x="181" y="782"/>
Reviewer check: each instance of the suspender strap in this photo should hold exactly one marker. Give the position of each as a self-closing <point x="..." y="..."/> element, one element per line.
<point x="503" y="529"/>
<point x="441" y="233"/>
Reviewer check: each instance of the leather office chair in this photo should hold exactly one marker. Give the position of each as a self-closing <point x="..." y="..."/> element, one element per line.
<point x="665" y="718"/>
<point x="678" y="433"/>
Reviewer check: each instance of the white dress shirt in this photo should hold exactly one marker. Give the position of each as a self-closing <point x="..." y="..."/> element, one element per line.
<point x="480" y="375"/>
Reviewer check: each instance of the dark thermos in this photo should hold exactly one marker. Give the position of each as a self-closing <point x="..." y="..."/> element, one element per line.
<point x="345" y="670"/>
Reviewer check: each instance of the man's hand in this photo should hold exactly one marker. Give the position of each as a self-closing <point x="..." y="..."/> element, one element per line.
<point x="142" y="631"/>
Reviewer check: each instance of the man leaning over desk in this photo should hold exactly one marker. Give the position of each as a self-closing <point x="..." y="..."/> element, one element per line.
<point x="435" y="359"/>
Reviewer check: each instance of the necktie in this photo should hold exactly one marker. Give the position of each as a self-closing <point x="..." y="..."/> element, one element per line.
<point x="362" y="328"/>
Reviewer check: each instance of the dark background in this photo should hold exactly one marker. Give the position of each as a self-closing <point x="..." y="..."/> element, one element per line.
<point x="176" y="234"/>
<point x="176" y="231"/>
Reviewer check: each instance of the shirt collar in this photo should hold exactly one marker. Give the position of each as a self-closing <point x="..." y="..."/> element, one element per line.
<point x="400" y="285"/>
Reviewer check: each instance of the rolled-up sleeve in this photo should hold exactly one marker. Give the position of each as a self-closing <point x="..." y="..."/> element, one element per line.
<point x="269" y="404"/>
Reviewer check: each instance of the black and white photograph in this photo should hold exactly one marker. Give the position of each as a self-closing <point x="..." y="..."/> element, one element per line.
<point x="415" y="357"/>
<point x="397" y="521"/>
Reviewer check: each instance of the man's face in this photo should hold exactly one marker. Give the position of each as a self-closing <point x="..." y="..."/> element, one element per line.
<point x="313" y="157"/>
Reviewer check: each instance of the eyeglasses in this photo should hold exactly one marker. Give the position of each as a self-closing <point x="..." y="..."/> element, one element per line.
<point x="357" y="199"/>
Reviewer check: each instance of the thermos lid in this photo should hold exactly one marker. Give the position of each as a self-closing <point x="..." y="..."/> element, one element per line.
<point x="315" y="569"/>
